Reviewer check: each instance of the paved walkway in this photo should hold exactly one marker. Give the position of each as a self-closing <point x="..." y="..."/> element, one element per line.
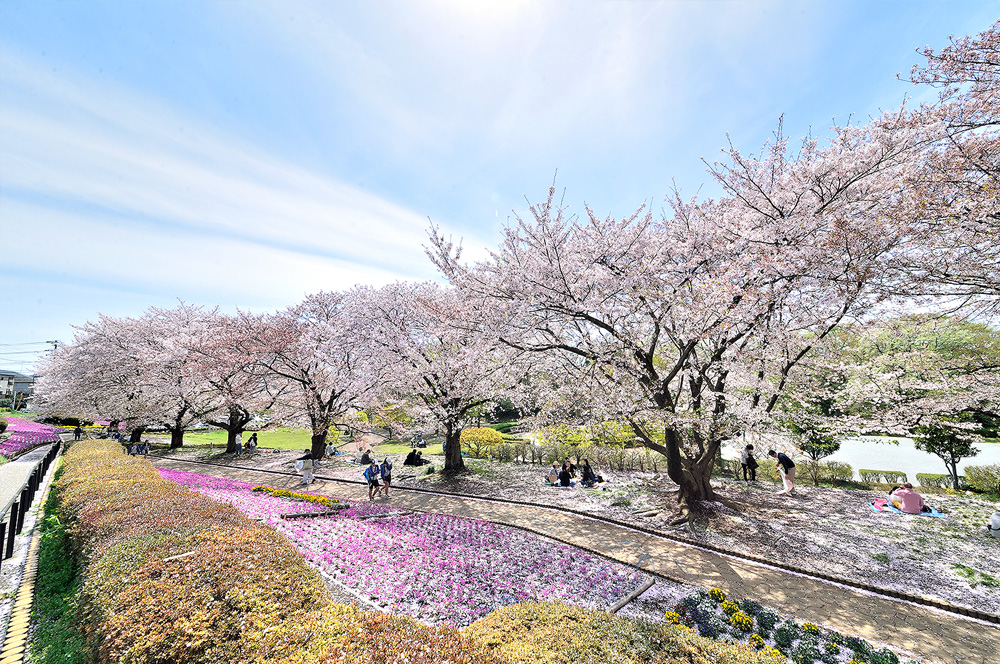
<point x="927" y="633"/>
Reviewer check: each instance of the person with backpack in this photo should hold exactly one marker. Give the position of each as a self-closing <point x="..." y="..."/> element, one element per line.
<point x="749" y="464"/>
<point x="787" y="470"/>
<point x="372" y="474"/>
<point x="386" y="470"/>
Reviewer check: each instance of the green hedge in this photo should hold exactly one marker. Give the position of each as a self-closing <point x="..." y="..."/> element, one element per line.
<point x="940" y="480"/>
<point x="888" y="476"/>
<point x="985" y="479"/>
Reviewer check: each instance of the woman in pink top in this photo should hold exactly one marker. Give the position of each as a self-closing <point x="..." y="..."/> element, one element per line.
<point x="907" y="500"/>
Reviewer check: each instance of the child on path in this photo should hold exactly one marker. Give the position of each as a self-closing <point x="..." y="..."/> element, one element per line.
<point x="787" y="470"/>
<point x="372" y="473"/>
<point x="386" y="470"/>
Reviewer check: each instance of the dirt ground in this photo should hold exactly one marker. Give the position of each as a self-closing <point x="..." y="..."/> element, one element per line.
<point x="822" y="529"/>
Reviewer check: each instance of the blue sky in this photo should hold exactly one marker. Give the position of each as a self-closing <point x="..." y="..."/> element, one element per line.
<point x="247" y="153"/>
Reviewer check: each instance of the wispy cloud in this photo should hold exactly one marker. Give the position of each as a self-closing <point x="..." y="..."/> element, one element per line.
<point x="84" y="146"/>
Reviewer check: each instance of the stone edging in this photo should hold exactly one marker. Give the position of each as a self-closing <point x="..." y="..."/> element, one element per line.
<point x="885" y="592"/>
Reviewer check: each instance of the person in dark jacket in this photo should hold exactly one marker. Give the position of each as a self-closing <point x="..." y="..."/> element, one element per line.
<point x="749" y="464"/>
<point x="787" y="470"/>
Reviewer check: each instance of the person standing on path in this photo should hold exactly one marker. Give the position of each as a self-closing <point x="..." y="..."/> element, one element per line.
<point x="749" y="464"/>
<point x="386" y="469"/>
<point x="305" y="462"/>
<point x="372" y="474"/>
<point x="787" y="470"/>
<point x="77" y="432"/>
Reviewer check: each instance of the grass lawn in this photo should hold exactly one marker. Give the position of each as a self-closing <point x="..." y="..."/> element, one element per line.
<point x="283" y="438"/>
<point x="403" y="447"/>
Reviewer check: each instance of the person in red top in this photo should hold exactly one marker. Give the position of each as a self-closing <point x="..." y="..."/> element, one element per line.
<point x="907" y="500"/>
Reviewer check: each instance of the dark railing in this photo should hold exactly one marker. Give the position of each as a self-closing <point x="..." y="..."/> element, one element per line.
<point x="15" y="509"/>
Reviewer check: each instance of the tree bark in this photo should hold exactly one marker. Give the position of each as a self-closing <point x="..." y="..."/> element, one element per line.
<point x="319" y="444"/>
<point x="176" y="438"/>
<point x="692" y="476"/>
<point x="453" y="462"/>
<point x="136" y="435"/>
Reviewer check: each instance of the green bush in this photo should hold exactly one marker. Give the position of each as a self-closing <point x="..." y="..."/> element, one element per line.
<point x="984" y="479"/>
<point x="3" y="424"/>
<point x="556" y="633"/>
<point x="940" y="480"/>
<point x="835" y="471"/>
<point x="873" y="476"/>
<point x="786" y="633"/>
<point x="480" y="441"/>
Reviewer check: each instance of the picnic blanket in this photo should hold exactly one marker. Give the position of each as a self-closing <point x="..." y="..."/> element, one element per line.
<point x="889" y="507"/>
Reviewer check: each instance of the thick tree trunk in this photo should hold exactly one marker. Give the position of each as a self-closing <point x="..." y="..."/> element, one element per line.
<point x="236" y="424"/>
<point x="176" y="438"/>
<point x="693" y="477"/>
<point x="319" y="444"/>
<point x="136" y="435"/>
<point x="953" y="469"/>
<point x="453" y="461"/>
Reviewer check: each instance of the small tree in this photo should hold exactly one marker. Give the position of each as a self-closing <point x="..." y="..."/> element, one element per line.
<point x="480" y="441"/>
<point x="816" y="444"/>
<point x="948" y="443"/>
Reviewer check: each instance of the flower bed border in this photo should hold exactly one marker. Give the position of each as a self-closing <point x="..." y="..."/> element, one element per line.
<point x="885" y="592"/>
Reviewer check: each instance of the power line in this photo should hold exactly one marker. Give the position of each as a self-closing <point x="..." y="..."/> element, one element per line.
<point x="29" y="343"/>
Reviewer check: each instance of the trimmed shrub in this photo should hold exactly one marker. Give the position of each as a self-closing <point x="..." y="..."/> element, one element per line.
<point x="940" y="480"/>
<point x="244" y="595"/>
<point x="559" y="633"/>
<point x="984" y="479"/>
<point x="890" y="476"/>
<point x="480" y="441"/>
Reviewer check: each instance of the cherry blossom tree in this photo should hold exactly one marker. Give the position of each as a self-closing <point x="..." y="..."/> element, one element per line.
<point x="236" y="386"/>
<point x="136" y="370"/>
<point x="100" y="375"/>
<point x="319" y="347"/>
<point x="954" y="215"/>
<point x="444" y="360"/>
<point x="689" y="326"/>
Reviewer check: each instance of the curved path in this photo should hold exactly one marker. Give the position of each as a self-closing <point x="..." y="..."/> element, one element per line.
<point x="928" y="633"/>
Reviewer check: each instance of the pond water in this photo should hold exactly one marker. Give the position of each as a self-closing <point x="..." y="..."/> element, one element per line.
<point x="883" y="453"/>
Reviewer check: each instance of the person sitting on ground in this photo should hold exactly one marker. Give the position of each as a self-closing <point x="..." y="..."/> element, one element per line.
<point x="412" y="459"/>
<point x="420" y="458"/>
<point x="553" y="475"/>
<point x="907" y="500"/>
<point x="366" y="458"/>
<point x="372" y="474"/>
<point x="570" y="466"/>
<point x="588" y="477"/>
<point x="565" y="477"/>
